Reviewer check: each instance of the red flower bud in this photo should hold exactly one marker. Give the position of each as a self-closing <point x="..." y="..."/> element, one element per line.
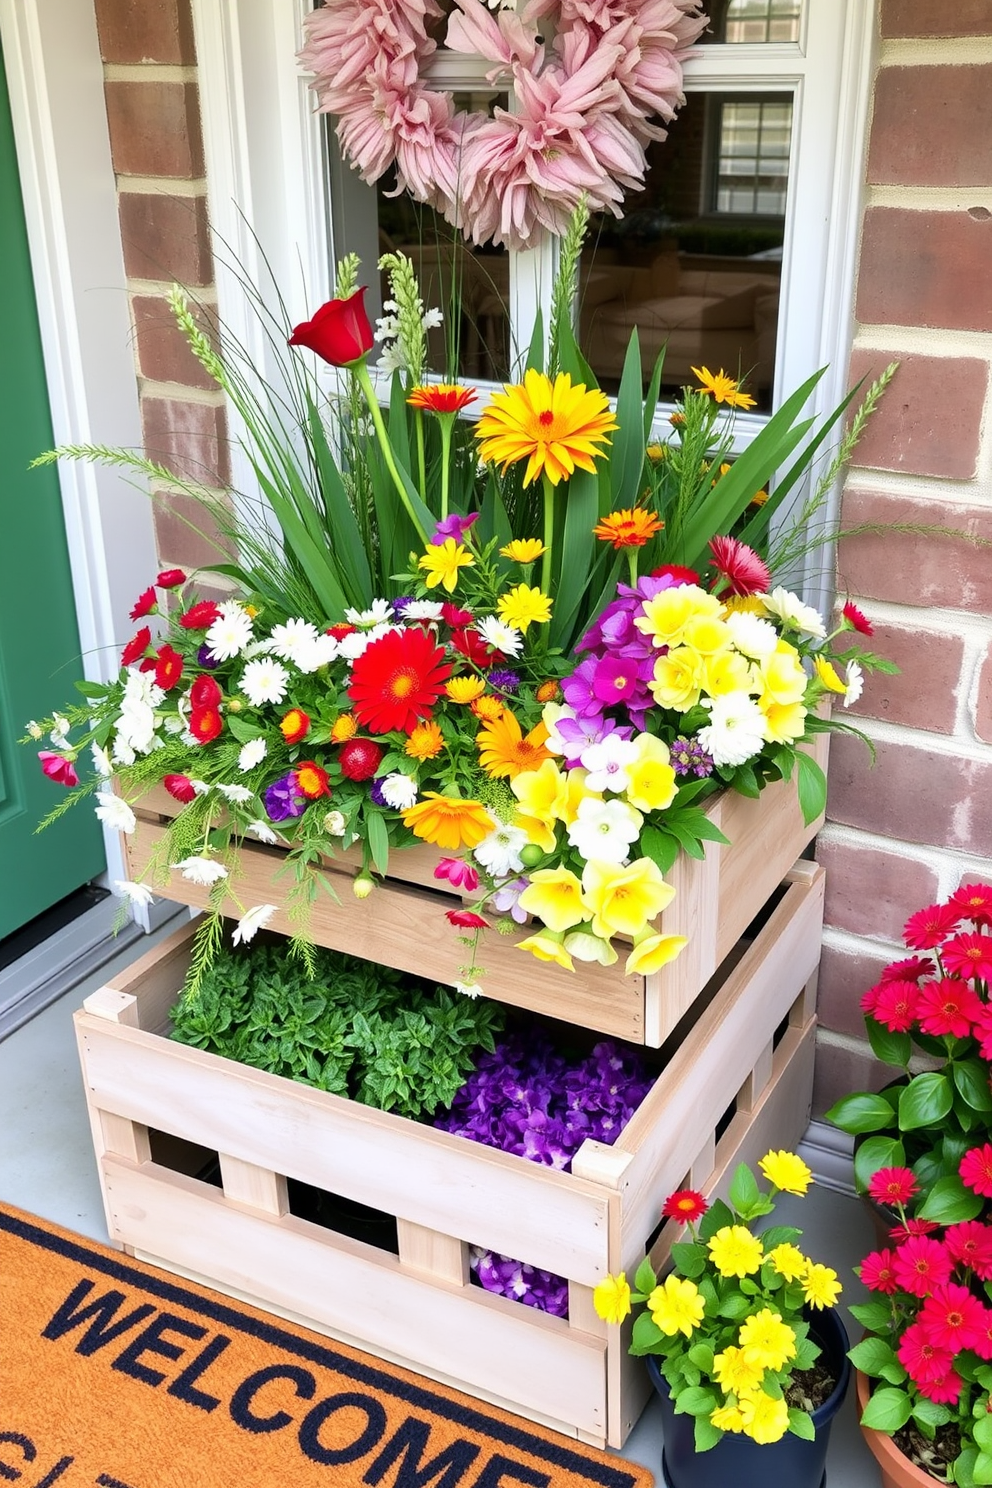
<point x="339" y="331"/>
<point x="205" y="724"/>
<point x="295" y="726"/>
<point x="311" y="780"/>
<point x="340" y="630"/>
<point x="360" y="758"/>
<point x="144" y="604"/>
<point x="466" y="920"/>
<point x="205" y="693"/>
<point x="201" y="616"/>
<point x="170" y="578"/>
<point x="137" y="646"/>
<point x="168" y="668"/>
<point x="454" y="615"/>
<point x="180" y="787"/>
<point x="58" y="768"/>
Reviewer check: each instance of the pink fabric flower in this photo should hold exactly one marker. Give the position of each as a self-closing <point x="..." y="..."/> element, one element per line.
<point x="948" y="1007"/>
<point x="58" y="767"/>
<point x="968" y="956"/>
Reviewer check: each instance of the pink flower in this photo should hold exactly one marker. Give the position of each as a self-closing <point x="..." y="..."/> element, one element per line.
<point x="913" y="969"/>
<point x="895" y="1006"/>
<point x="921" y="1265"/>
<point x="902" y="1232"/>
<point x="948" y="1007"/>
<point x="876" y="1272"/>
<point x="975" y="1169"/>
<point x="739" y="566"/>
<point x="465" y="919"/>
<point x="970" y="1243"/>
<point x="968" y="956"/>
<point x="928" y="927"/>
<point x="943" y="1391"/>
<point x="923" y="1361"/>
<point x="58" y="767"/>
<point x="459" y="873"/>
<point x="857" y="620"/>
<point x="893" y="1185"/>
<point x="952" y="1318"/>
<point x="975" y="903"/>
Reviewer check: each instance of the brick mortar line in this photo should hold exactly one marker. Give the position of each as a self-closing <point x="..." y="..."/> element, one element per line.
<point x="845" y="1041"/>
<point x="189" y="186"/>
<point x="947" y="621"/>
<point x="935" y="51"/>
<point x="219" y="495"/>
<point x="930" y="488"/>
<point x="919" y="341"/>
<point x="158" y="289"/>
<point x="953" y="746"/>
<point x="949" y="862"/>
<point x="927" y="198"/>
<point x="149" y="72"/>
<point x="180" y="392"/>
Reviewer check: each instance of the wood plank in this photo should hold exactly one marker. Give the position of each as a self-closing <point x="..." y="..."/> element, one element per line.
<point x="433" y="1178"/>
<point x="438" y="1255"/>
<point x="157" y="976"/>
<point x="486" y="1341"/>
<point x="258" y="1188"/>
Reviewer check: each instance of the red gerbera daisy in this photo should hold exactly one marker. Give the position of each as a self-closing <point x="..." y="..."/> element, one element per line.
<point x="180" y="787"/>
<point x="975" y="902"/>
<point x="975" y="1169"/>
<point x="877" y="1274"/>
<point x="466" y="920"/>
<point x="922" y="1360"/>
<point x="968" y="956"/>
<point x="168" y="668"/>
<point x="205" y="693"/>
<point x="947" y="1007"/>
<point x="943" y="1391"/>
<point x="205" y="724"/>
<point x="360" y="758"/>
<point x="893" y="1185"/>
<point x="441" y="397"/>
<point x="455" y="616"/>
<point x="902" y="1232"/>
<point x="952" y="1318"/>
<point x="311" y="780"/>
<point x="970" y="1243"/>
<point x="921" y="1265"/>
<point x="200" y="616"/>
<point x="869" y="1000"/>
<point x="982" y="1031"/>
<point x="857" y="620"/>
<point x="676" y="571"/>
<point x="340" y="630"/>
<point x="136" y="646"/>
<point x="144" y="604"/>
<point x="928" y="927"/>
<point x="739" y="566"/>
<point x="686" y="1204"/>
<point x="895" y="1005"/>
<point x="397" y="680"/>
<point x="913" y="969"/>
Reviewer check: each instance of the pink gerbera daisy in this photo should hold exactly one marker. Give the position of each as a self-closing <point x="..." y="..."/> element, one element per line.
<point x="928" y="927"/>
<point x="970" y="1243"/>
<point x="948" y="1007"/>
<point x="968" y="956"/>
<point x="869" y="1000"/>
<point x="921" y="1265"/>
<point x="952" y="1318"/>
<point x="893" y="1185"/>
<point x="923" y="1361"/>
<point x="974" y="902"/>
<point x="943" y="1391"/>
<point x="976" y="1170"/>
<point x="912" y="1227"/>
<point x="982" y="1031"/>
<point x="895" y="1005"/>
<point x="876" y="1272"/>
<point x="739" y="566"/>
<point x="913" y="969"/>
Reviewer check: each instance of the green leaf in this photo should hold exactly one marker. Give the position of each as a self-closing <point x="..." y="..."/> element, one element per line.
<point x="889" y="1047"/>
<point x="812" y="787"/>
<point x="963" y="1468"/>
<point x="716" y="1216"/>
<point x="744" y="1190"/>
<point x="701" y="1355"/>
<point x="876" y="1316"/>
<point x="378" y="840"/>
<point x="689" y="1260"/>
<point x="925" y="1101"/>
<point x="971" y="1078"/>
<point x="801" y="1424"/>
<point x="734" y="1307"/>
<point x="874" y="1153"/>
<point x="888" y="1410"/>
<point x="871" y="1355"/>
<point x="982" y="1432"/>
<point x="949" y="1202"/>
<point x="982" y="1469"/>
<point x="697" y="1400"/>
<point x="930" y="1413"/>
<point x="577" y="551"/>
<point x="646" y="1335"/>
<point x="861" y="1113"/>
<point x="660" y="846"/>
<point x="706" y="1435"/>
<point x="645" y="1279"/>
<point x="627" y="449"/>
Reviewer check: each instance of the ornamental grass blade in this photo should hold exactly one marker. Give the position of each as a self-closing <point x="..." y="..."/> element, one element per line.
<point x="627" y="451"/>
<point x="654" y="391"/>
<point x="340" y="518"/>
<point x="314" y="557"/>
<point x="576" y="549"/>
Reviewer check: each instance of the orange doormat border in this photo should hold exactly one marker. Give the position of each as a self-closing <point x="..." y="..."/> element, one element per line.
<point x="155" y="1382"/>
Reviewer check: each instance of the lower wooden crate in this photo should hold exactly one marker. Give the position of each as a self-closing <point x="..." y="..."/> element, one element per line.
<point x="736" y="1082"/>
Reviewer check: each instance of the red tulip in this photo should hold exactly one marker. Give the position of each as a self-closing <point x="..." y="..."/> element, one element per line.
<point x="170" y="578"/>
<point x="339" y="331"/>
<point x="205" y="693"/>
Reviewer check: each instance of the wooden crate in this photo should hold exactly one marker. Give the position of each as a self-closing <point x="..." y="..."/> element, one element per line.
<point x="737" y="1082"/>
<point x="402" y="923"/>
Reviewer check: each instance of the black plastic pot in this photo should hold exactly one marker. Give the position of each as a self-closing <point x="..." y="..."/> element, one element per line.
<point x="738" y="1462"/>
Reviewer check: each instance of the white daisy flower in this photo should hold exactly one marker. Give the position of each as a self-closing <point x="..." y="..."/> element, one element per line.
<point x="604" y="830"/>
<point x="252" y="754"/>
<point x="607" y="763"/>
<point x="379" y="613"/>
<point x="855" y="683"/>
<point x="230" y="633"/>
<point x="174" y="724"/>
<point x="334" y="824"/>
<point x="202" y="787"/>
<point x="60" y="731"/>
<point x="469" y="989"/>
<point x="261" y="831"/>
<point x="499" y="853"/>
<point x="123" y="753"/>
<point x="101" y="761"/>
<point x="289" y="639"/>
<point x="353" y="646"/>
<point x="501" y="637"/>
<point x="264" y="681"/>
<point x="237" y="794"/>
<point x="203" y="871"/>
<point x="138" y="893"/>
<point x="793" y="614"/>
<point x="423" y="609"/>
<point x="753" y="636"/>
<point x="398" y="791"/>
<point x="317" y="653"/>
<point x="249" y="924"/>
<point x="736" y="730"/>
<point x="115" y="813"/>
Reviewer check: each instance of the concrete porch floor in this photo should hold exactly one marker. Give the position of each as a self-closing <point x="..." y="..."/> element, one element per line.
<point x="47" y="1167"/>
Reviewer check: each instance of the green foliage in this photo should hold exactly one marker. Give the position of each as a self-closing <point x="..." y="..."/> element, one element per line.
<point x="355" y="1029"/>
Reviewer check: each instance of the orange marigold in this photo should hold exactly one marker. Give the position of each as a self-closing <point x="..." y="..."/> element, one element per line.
<point x="425" y="742"/>
<point x="343" y="729"/>
<point x="503" y="749"/>
<point x="548" y="692"/>
<point x="487" y="707"/>
<point x="629" y="528"/>
<point x="448" y="821"/>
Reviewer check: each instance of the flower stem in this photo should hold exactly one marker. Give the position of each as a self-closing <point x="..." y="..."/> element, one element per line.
<point x="632" y="566"/>
<point x="447" y="420"/>
<point x="362" y="373"/>
<point x="421" y="456"/>
<point x="549" y="532"/>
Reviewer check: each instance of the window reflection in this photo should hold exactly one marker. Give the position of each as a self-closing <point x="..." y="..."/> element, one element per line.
<point x="753" y="21"/>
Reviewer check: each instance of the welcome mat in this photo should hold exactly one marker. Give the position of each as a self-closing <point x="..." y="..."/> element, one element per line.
<point x="116" y="1375"/>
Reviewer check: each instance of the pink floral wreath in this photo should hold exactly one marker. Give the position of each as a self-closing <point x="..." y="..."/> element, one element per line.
<point x="582" y="110"/>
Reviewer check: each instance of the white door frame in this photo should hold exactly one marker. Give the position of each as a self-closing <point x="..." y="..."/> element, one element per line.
<point x="55" y="80"/>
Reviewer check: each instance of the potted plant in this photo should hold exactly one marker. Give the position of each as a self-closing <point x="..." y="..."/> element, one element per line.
<point x="741" y="1338"/>
<point x="933" y="1003"/>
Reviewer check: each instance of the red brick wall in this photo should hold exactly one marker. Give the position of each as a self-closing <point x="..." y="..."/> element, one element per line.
<point x="909" y="831"/>
<point x="157" y="149"/>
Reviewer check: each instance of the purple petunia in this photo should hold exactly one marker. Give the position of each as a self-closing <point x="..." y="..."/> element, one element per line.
<point x="504" y="681"/>
<point x="454" y="526"/>
<point x="283" y="798"/>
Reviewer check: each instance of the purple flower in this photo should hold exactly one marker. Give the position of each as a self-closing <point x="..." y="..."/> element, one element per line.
<point x="399" y="605"/>
<point x="618" y="678"/>
<point x="454" y="526"/>
<point x="205" y="658"/>
<point x="521" y="1282"/>
<point x="505" y="900"/>
<point x="578" y="733"/>
<point x="375" y="794"/>
<point x="505" y="681"/>
<point x="283" y="799"/>
<point x="690" y="758"/>
<point x="578" y="688"/>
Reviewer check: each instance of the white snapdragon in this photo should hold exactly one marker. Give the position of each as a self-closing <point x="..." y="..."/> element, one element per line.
<point x="59" y="734"/>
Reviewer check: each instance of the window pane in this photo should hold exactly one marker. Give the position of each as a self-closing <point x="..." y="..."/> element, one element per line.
<point x="753" y="21"/>
<point x="695" y="264"/>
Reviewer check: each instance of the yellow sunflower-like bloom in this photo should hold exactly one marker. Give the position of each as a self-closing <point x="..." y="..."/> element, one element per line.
<point x="442" y="562"/>
<point x="554" y="426"/>
<point x="651" y="952"/>
<point x="721" y="388"/>
<point x="735" y="1371"/>
<point x="766" y="1340"/>
<point x="676" y="1306"/>
<point x="782" y="677"/>
<point x="425" y="742"/>
<point x="727" y="1418"/>
<point x="554" y="896"/>
<point x="448" y="821"/>
<point x="820" y="1285"/>
<point x="651" y="781"/>
<point x="504" y="750"/>
<point x="788" y="1261"/>
<point x="465" y="689"/>
<point x="611" y="1298"/>
<point x="524" y="549"/>
<point x="522" y="607"/>
<point x="827" y="674"/>
<point x="488" y="707"/>
<point x="623" y="900"/>
<point x="678" y="679"/>
<point x="630" y="528"/>
<point x="541" y="794"/>
<point x="546" y="945"/>
<point x="763" y="1419"/>
<point x="667" y="614"/>
<point x="786" y="1171"/>
<point x="734" y="1251"/>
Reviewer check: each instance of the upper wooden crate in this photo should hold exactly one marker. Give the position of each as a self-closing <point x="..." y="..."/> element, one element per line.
<point x="402" y="923"/>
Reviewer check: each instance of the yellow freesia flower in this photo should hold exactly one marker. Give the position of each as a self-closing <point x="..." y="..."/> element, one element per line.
<point x="728" y="671"/>
<point x="611" y="1298"/>
<point x="678" y="679"/>
<point x="576" y="791"/>
<point x="584" y="946"/>
<point x="788" y="1261"/>
<point x="541" y="794"/>
<point x="727" y="1418"/>
<point x="735" y="1372"/>
<point x="623" y="900"/>
<point x="763" y="1419"/>
<point x="547" y="946"/>
<point x="784" y="722"/>
<point x="786" y="1171"/>
<point x="676" y="1306"/>
<point x="554" y="426"/>
<point x="827" y="673"/>
<point x="651" y="952"/>
<point x="734" y="1251"/>
<point x="781" y="675"/>
<point x="554" y="896"/>
<point x="651" y="781"/>
<point x="523" y="549"/>
<point x="820" y="1285"/>
<point x="665" y="616"/>
<point x="707" y="634"/>
<point x="766" y="1340"/>
<point x="522" y="607"/>
<point x="442" y="562"/>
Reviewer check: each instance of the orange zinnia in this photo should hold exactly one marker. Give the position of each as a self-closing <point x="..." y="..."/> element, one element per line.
<point x="441" y="397"/>
<point x="503" y="749"/>
<point x="425" y="742"/>
<point x="448" y="821"/>
<point x="630" y="528"/>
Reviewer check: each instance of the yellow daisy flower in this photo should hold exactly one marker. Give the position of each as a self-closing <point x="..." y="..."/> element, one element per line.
<point x="735" y="1371"/>
<point x="727" y="1418"/>
<point x="465" y="689"/>
<point x="611" y="1298"/>
<point x="523" y="606"/>
<point x="554" y="426"/>
<point x="425" y="742"/>
<point x="788" y="1261"/>
<point x="722" y="389"/>
<point x="504" y="750"/>
<point x="442" y="562"/>
<point x="766" y="1340"/>
<point x="763" y="1419"/>
<point x="676" y="1306"/>
<point x="448" y="821"/>
<point x="786" y="1171"/>
<point x="734" y="1251"/>
<point x="820" y="1285"/>
<point x="827" y="674"/>
<point x="524" y="549"/>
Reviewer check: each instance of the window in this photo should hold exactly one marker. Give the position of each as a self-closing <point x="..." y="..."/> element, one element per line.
<point x="752" y="156"/>
<point x="751" y="21"/>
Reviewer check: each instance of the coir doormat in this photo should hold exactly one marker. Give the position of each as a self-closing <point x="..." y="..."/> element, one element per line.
<point x="116" y="1375"/>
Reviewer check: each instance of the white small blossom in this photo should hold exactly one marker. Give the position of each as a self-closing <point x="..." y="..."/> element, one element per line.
<point x="855" y="683"/>
<point x="101" y="761"/>
<point x="499" y="852"/>
<point x="607" y="763"/>
<point x="736" y="730"/>
<point x="550" y="714"/>
<point x="433" y="318"/>
<point x="174" y="724"/>
<point x="114" y="812"/>
<point x="470" y="989"/>
<point x="60" y="731"/>
<point x="201" y="787"/>
<point x="290" y="639"/>
<point x="261" y="831"/>
<point x="264" y="681"/>
<point x="230" y="633"/>
<point x="353" y="646"/>
<point x="753" y="636"/>
<point x="423" y="609"/>
<point x="793" y="614"/>
<point x="252" y="754"/>
<point x="203" y="871"/>
<point x="249" y="924"/>
<point x="604" y="830"/>
<point x="123" y="753"/>
<point x="398" y="791"/>
<point x="138" y="893"/>
<point x="380" y="612"/>
<point x="34" y="729"/>
<point x="391" y="358"/>
<point x="319" y="652"/>
<point x="334" y="824"/>
<point x="502" y="637"/>
<point x="236" y="794"/>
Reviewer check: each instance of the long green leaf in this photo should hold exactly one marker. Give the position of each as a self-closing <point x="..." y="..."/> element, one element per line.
<point x="627" y="452"/>
<point x="654" y="389"/>
<point x="314" y="558"/>
<point x="340" y="517"/>
<point x="577" y="550"/>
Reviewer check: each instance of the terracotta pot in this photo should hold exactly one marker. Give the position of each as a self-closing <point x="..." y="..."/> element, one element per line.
<point x="896" y="1469"/>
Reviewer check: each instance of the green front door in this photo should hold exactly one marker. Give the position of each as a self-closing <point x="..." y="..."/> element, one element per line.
<point x="39" y="643"/>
